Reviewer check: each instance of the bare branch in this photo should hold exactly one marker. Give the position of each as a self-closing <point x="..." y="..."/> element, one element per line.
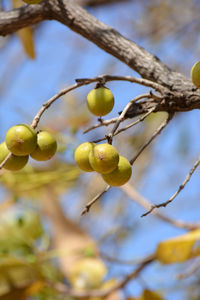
<point x="89" y="204"/>
<point x="5" y="160"/>
<point x="100" y="124"/>
<point x="181" y="187"/>
<point x="154" y="135"/>
<point x="122" y="115"/>
<point x="137" y="197"/>
<point x="193" y="268"/>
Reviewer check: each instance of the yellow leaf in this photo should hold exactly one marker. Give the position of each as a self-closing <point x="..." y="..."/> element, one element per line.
<point x="150" y="295"/>
<point x="23" y="293"/>
<point x="179" y="249"/>
<point x="25" y="35"/>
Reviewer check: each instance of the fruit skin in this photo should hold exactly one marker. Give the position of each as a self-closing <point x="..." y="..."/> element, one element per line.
<point x="87" y="273"/>
<point x="32" y="1"/>
<point x="120" y="175"/>
<point x="21" y="139"/>
<point x="104" y="158"/>
<point x="100" y="101"/>
<point x="81" y="156"/>
<point x="14" y="163"/>
<point x="195" y="74"/>
<point x="46" y="147"/>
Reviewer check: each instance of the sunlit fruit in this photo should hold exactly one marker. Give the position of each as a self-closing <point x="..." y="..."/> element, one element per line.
<point x="81" y="156"/>
<point x="32" y="1"/>
<point x="21" y="139"/>
<point x="120" y="175"/>
<point x="46" y="146"/>
<point x="195" y="74"/>
<point x="87" y="273"/>
<point x="100" y="101"/>
<point x="14" y="163"/>
<point x="103" y="158"/>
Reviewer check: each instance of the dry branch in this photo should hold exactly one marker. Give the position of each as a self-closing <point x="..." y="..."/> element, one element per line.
<point x="181" y="187"/>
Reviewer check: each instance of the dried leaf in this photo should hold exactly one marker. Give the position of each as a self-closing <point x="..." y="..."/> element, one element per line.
<point x="179" y="249"/>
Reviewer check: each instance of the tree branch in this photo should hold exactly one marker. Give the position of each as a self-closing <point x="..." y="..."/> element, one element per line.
<point x="183" y="96"/>
<point x="181" y="187"/>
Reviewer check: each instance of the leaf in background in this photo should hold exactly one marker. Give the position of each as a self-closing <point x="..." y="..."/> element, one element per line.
<point x="20" y="234"/>
<point x="30" y="181"/>
<point x="25" y="35"/>
<point x="179" y="249"/>
<point x="23" y="293"/>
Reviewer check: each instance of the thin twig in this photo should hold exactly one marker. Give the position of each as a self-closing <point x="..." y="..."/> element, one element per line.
<point x="154" y="135"/>
<point x="191" y="270"/>
<point x="122" y="115"/>
<point x="129" y="125"/>
<point x="136" y="122"/>
<point x="5" y="160"/>
<point x="100" y="124"/>
<point x="89" y="204"/>
<point x="54" y="98"/>
<point x="181" y="187"/>
<point x="140" y="81"/>
<point x="137" y="197"/>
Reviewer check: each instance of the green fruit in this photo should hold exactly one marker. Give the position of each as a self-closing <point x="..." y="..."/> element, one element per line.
<point x="32" y="1"/>
<point x="14" y="163"/>
<point x="195" y="74"/>
<point x="104" y="158"/>
<point x="46" y="146"/>
<point x="120" y="175"/>
<point x="100" y="101"/>
<point x="21" y="139"/>
<point x="81" y="156"/>
<point x="87" y="273"/>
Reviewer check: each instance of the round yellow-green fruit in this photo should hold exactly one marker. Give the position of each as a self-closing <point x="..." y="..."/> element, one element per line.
<point x="87" y="273"/>
<point x="81" y="156"/>
<point x="32" y="1"/>
<point x="120" y="175"/>
<point x="100" y="101"/>
<point x="14" y="163"/>
<point x="195" y="74"/>
<point x="46" y="146"/>
<point x="103" y="158"/>
<point x="21" y="139"/>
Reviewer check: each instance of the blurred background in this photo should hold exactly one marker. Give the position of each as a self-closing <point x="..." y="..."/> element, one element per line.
<point x="41" y="230"/>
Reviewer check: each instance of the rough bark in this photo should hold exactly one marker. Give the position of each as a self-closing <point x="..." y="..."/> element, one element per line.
<point x="180" y="94"/>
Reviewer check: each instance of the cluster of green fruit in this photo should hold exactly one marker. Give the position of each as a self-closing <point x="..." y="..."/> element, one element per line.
<point x="104" y="159"/>
<point x="22" y="140"/>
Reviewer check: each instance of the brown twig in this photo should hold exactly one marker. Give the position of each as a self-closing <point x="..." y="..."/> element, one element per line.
<point x="122" y="115"/>
<point x="5" y="160"/>
<point x="100" y="124"/>
<point x="154" y="135"/>
<point x="129" y="125"/>
<point x="181" y="187"/>
<point x="137" y="197"/>
<point x="191" y="270"/>
<point x="140" y="81"/>
<point x="89" y="204"/>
